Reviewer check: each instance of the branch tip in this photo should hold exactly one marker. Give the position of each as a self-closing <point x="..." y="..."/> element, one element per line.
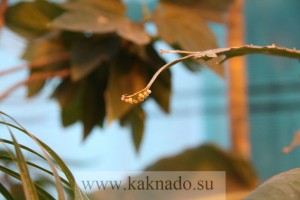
<point x="226" y="53"/>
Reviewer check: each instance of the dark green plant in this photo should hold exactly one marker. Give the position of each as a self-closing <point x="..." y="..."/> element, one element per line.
<point x="30" y="188"/>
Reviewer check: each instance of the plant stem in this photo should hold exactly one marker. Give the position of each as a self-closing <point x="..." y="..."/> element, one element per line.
<point x="226" y="53"/>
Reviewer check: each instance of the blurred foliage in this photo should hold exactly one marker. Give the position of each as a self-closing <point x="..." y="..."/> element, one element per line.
<point x="99" y="54"/>
<point x="240" y="174"/>
<point x="16" y="180"/>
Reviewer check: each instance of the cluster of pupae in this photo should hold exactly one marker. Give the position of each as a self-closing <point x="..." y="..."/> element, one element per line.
<point x="136" y="98"/>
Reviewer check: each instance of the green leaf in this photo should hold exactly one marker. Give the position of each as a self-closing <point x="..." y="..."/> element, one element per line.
<point x="93" y="107"/>
<point x="23" y="147"/>
<point x="285" y="185"/>
<point x="100" y="17"/>
<point x="27" y="183"/>
<point x="124" y="77"/>
<point x="35" y="166"/>
<point x="63" y="167"/>
<point x="190" y="31"/>
<point x="70" y="112"/>
<point x="136" y="119"/>
<point x="41" y="191"/>
<point x="5" y="193"/>
<point x="65" y="92"/>
<point x="69" y="96"/>
<point x="88" y="54"/>
<point x="31" y="19"/>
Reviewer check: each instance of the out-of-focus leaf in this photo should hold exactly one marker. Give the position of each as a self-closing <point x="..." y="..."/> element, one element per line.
<point x="179" y="25"/>
<point x="39" y="48"/>
<point x="42" y="193"/>
<point x="184" y="27"/>
<point x="31" y="19"/>
<point x="70" y="112"/>
<point x="5" y="193"/>
<point x="65" y="92"/>
<point x="192" y="65"/>
<point x="208" y="157"/>
<point x="93" y="107"/>
<point x="13" y="159"/>
<point x="136" y="119"/>
<point x="113" y="6"/>
<point x="132" y="32"/>
<point x="126" y="77"/>
<point x="162" y="94"/>
<point x="42" y="54"/>
<point x="85" y="18"/>
<point x="100" y="18"/>
<point x="88" y="54"/>
<point x="4" y="153"/>
<point x="285" y="185"/>
<point x="27" y="183"/>
<point x="213" y="10"/>
<point x="17" y="191"/>
<point x="83" y="101"/>
<point x="46" y="149"/>
<point x="34" y="88"/>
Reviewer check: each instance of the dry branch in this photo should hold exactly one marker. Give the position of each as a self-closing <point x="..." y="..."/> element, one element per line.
<point x="226" y="53"/>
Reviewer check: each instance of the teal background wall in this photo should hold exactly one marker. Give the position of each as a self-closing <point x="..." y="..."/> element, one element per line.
<point x="274" y="84"/>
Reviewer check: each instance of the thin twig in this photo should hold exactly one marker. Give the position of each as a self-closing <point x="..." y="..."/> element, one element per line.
<point x="227" y="53"/>
<point x="34" y="78"/>
<point x="38" y="63"/>
<point x="143" y="94"/>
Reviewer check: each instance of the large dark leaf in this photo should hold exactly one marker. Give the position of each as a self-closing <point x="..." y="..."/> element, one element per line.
<point x="186" y="28"/>
<point x="31" y="19"/>
<point x="70" y="97"/>
<point x="93" y="107"/>
<point x="285" y="185"/>
<point x="136" y="120"/>
<point x="88" y="54"/>
<point x="100" y="17"/>
<point x="83" y="100"/>
<point x="65" y="92"/>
